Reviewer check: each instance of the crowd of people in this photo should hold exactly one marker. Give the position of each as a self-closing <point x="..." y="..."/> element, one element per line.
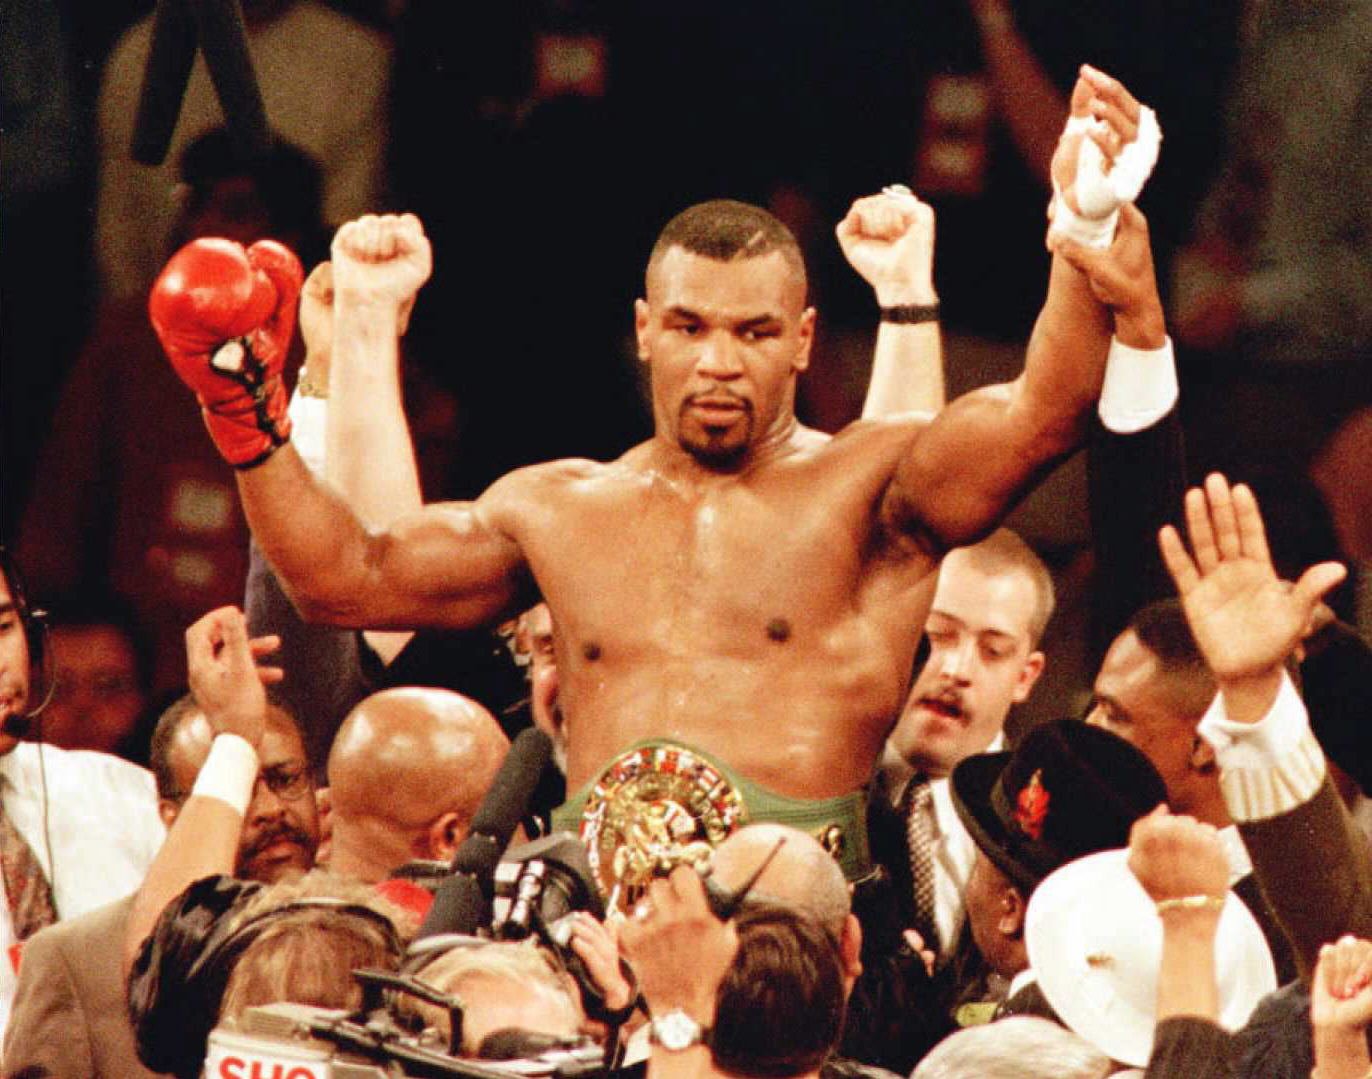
<point x="783" y="828"/>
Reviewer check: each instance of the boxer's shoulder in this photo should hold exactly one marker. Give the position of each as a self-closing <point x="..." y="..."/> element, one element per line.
<point x="554" y="486"/>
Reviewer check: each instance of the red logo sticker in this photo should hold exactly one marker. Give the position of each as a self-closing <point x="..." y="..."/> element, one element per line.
<point x="1031" y="807"/>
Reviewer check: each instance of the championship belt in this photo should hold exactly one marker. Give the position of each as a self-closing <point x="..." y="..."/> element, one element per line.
<point x="652" y="809"/>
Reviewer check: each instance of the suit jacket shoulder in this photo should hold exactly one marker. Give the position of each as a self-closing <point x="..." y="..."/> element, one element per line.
<point x="70" y="1018"/>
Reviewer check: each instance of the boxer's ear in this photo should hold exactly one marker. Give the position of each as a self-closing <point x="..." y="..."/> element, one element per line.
<point x="643" y="316"/>
<point x="807" y="340"/>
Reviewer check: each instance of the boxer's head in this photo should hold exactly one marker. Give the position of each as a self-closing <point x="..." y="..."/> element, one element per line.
<point x="725" y="330"/>
<point x="23" y="644"/>
<point x="281" y="825"/>
<point x="991" y="605"/>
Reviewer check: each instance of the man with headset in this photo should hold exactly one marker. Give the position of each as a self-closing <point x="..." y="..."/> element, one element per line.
<point x="77" y="829"/>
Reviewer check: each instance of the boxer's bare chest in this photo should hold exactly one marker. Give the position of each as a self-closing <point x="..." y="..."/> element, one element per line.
<point x="680" y="607"/>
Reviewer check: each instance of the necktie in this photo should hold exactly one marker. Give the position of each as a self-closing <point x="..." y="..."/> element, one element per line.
<point x="917" y="805"/>
<point x="26" y="887"/>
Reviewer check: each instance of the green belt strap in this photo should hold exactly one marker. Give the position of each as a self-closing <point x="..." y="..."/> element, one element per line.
<point x="846" y="812"/>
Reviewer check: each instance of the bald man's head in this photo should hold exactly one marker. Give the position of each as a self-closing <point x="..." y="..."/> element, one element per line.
<point x="803" y="874"/>
<point x="407" y="771"/>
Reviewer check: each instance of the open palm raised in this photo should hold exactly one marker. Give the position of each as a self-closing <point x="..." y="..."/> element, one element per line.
<point x="1245" y="619"/>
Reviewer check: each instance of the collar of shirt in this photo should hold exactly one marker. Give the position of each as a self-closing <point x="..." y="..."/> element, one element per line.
<point x="895" y="775"/>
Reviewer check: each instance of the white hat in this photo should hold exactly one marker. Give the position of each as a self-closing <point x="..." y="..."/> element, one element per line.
<point x="1095" y="943"/>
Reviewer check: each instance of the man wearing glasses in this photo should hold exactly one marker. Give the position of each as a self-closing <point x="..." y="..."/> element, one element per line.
<point x="281" y="825"/>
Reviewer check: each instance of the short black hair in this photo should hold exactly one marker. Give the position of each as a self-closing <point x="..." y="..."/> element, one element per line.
<point x="725" y="230"/>
<point x="159" y="753"/>
<point x="1161" y="627"/>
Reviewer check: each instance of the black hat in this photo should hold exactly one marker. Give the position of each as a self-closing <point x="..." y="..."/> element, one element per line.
<point x="1068" y="790"/>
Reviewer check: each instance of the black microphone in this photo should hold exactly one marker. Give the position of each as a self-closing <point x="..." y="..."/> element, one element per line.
<point x="224" y="41"/>
<point x="170" y="57"/>
<point x="455" y="908"/>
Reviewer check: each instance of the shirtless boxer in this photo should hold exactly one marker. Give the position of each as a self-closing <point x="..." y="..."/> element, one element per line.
<point x="738" y="584"/>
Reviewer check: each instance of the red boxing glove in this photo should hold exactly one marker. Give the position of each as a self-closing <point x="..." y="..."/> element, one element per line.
<point x="225" y="318"/>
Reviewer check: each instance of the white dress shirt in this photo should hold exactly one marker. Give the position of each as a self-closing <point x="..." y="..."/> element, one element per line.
<point x="101" y="831"/>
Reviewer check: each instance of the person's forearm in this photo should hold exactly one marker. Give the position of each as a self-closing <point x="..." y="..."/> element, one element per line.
<point x="907" y="371"/>
<point x="1064" y="363"/>
<point x="370" y="457"/>
<point x="1186" y="973"/>
<point x="1340" y="1053"/>
<point x="1248" y="700"/>
<point x="204" y="839"/>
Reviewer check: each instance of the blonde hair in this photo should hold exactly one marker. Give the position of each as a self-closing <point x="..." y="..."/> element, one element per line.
<point x="307" y="954"/>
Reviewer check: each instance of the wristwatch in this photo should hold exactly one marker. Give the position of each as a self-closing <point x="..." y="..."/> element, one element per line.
<point x="675" y="1031"/>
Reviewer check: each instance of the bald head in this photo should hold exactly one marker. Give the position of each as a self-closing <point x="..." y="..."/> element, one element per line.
<point x="803" y="874"/>
<point x="407" y="761"/>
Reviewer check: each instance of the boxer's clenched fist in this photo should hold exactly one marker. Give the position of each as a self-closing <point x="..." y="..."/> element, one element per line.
<point x="225" y="316"/>
<point x="889" y="240"/>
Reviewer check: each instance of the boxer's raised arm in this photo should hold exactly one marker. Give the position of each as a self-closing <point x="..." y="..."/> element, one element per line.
<point x="379" y="264"/>
<point x="985" y="450"/>
<point x="224" y="316"/>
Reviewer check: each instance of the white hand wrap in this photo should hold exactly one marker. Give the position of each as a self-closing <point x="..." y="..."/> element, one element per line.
<point x="229" y="772"/>
<point x="1099" y="193"/>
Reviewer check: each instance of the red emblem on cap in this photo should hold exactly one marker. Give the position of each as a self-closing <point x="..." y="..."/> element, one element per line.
<point x="1031" y="807"/>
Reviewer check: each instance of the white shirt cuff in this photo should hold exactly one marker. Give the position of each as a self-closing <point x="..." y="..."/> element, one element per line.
<point x="309" y="415"/>
<point x="1140" y="386"/>
<point x="1269" y="767"/>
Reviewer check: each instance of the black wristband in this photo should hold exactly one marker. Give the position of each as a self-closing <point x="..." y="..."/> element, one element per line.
<point x="910" y="314"/>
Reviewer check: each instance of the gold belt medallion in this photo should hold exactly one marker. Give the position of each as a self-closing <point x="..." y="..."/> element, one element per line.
<point x="652" y="809"/>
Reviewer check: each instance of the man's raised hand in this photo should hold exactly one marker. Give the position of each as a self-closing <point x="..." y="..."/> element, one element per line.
<point x="382" y="259"/>
<point x="225" y="679"/>
<point x="889" y="240"/>
<point x="1245" y="619"/>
